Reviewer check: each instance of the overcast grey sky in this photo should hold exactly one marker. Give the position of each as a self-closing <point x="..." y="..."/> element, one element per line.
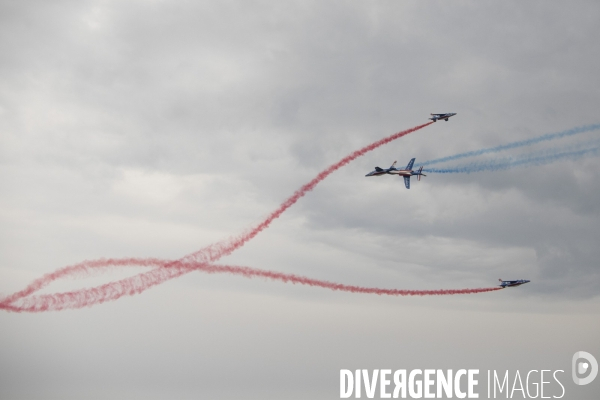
<point x="154" y="128"/>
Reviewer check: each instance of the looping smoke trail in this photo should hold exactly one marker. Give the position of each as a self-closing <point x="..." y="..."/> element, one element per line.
<point x="202" y="259"/>
<point x="110" y="291"/>
<point x="514" y="145"/>
<point x="91" y="296"/>
<point x="531" y="159"/>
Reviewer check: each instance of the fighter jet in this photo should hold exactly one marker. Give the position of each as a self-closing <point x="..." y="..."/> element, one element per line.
<point x="435" y="117"/>
<point x="406" y="173"/>
<point x="512" y="283"/>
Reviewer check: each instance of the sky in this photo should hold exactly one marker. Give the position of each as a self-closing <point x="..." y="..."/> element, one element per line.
<point x="155" y="128"/>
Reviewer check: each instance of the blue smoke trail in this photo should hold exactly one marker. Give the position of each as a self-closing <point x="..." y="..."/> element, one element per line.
<point x="530" y="159"/>
<point x="514" y="145"/>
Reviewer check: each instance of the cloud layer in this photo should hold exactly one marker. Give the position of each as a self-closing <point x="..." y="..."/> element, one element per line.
<point x="152" y="129"/>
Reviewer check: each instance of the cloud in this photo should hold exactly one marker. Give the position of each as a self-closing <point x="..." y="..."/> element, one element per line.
<point x="154" y="128"/>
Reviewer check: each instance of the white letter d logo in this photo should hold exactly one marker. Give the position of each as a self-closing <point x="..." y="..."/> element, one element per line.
<point x="582" y="367"/>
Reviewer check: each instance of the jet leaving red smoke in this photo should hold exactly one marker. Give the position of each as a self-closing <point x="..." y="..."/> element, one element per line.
<point x="200" y="260"/>
<point x="171" y="269"/>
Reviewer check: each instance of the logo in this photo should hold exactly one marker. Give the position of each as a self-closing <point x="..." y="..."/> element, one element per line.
<point x="581" y="367"/>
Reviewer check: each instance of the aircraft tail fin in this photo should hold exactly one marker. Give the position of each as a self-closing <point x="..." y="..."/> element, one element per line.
<point x="394" y="164"/>
<point x="420" y="173"/>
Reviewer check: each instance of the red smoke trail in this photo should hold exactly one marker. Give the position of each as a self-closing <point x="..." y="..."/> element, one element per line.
<point x="217" y="250"/>
<point x="197" y="260"/>
<point x="109" y="291"/>
<point x="91" y="296"/>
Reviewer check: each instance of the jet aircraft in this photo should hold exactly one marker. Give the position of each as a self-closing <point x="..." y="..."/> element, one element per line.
<point x="435" y="117"/>
<point x="518" y="282"/>
<point x="406" y="173"/>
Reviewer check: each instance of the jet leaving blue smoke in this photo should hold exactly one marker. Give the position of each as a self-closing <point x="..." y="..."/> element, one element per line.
<point x="514" y="145"/>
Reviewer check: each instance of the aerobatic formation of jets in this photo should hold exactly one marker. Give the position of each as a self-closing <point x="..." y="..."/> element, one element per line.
<point x="407" y="172"/>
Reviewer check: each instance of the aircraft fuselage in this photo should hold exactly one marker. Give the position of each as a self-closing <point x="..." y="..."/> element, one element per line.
<point x="401" y="172"/>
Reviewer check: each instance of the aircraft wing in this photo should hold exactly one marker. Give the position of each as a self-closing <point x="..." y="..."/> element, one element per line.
<point x="410" y="164"/>
<point x="378" y="169"/>
<point x="407" y="182"/>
